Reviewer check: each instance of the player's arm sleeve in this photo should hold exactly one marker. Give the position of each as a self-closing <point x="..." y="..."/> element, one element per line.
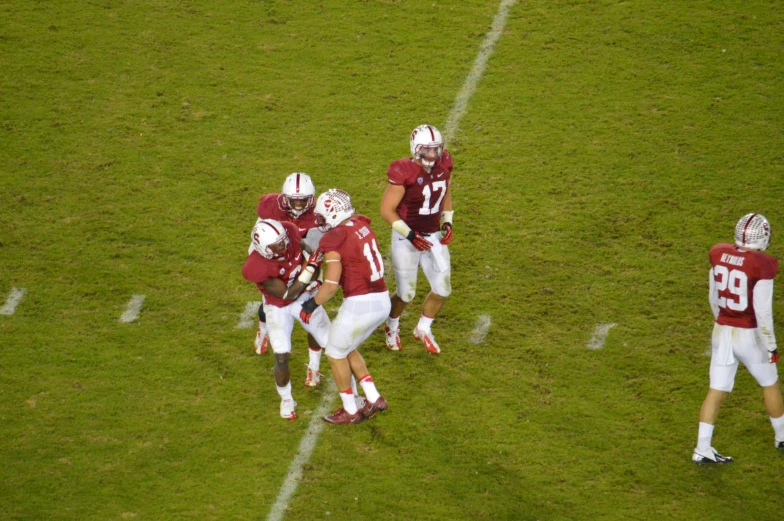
<point x="713" y="294"/>
<point x="763" y="309"/>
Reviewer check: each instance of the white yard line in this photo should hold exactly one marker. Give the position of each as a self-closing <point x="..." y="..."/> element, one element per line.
<point x="600" y="336"/>
<point x="461" y="102"/>
<point x="249" y="316"/>
<point x="13" y="300"/>
<point x="481" y="329"/>
<point x="306" y="447"/>
<point x="488" y="45"/>
<point x="133" y="309"/>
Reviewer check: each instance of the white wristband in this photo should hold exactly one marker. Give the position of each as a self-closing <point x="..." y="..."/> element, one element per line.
<point x="446" y="216"/>
<point x="306" y="275"/>
<point x="400" y="227"/>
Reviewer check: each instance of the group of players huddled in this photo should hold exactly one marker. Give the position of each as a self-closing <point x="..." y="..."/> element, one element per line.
<point x="304" y="248"/>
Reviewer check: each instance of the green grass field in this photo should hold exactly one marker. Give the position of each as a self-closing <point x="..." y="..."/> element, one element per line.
<point x="607" y="147"/>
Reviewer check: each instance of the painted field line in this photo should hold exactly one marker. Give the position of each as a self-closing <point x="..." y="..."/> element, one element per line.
<point x="480" y="331"/>
<point x="13" y="300"/>
<point x="488" y="45"/>
<point x="306" y="447"/>
<point x="461" y="102"/>
<point x="600" y="336"/>
<point x="249" y="316"/>
<point x="133" y="309"/>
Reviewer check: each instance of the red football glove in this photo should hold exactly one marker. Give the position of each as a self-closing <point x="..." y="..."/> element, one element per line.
<point x="316" y="259"/>
<point x="773" y="356"/>
<point x="419" y="242"/>
<point x="308" y="307"/>
<point x="447" y="229"/>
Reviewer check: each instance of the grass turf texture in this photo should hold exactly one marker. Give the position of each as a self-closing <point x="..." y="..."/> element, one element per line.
<point x="607" y="147"/>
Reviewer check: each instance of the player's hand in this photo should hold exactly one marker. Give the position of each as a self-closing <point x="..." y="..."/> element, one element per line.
<point x="316" y="259"/>
<point x="419" y="242"/>
<point x="308" y="307"/>
<point x="447" y="229"/>
<point x="773" y="356"/>
<point x="313" y="287"/>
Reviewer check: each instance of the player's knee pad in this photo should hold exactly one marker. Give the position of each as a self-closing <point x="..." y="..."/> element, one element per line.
<point x="406" y="296"/>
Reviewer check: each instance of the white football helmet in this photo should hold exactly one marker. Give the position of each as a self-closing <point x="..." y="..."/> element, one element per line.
<point x="427" y="145"/>
<point x="270" y="239"/>
<point x="753" y="232"/>
<point x="298" y="192"/>
<point x="332" y="208"/>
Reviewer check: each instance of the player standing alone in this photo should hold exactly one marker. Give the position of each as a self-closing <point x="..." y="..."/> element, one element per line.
<point x="418" y="204"/>
<point x="352" y="261"/>
<point x="741" y="297"/>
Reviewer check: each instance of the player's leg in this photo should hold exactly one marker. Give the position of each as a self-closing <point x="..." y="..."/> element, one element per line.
<point x="337" y="349"/>
<point x="313" y="376"/>
<point x="755" y="357"/>
<point x="318" y="336"/>
<point x="439" y="275"/>
<point x="722" y="379"/>
<point x="775" y="407"/>
<point x="280" y="325"/>
<point x="405" y="263"/>
<point x="261" y="344"/>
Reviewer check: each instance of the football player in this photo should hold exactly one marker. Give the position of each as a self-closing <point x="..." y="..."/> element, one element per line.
<point x="418" y="204"/>
<point x="352" y="261"/>
<point x="741" y="297"/>
<point x="275" y="266"/>
<point x="294" y="204"/>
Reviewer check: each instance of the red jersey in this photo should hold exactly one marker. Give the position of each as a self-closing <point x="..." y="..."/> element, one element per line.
<point x="735" y="273"/>
<point x="259" y="270"/>
<point x="363" y="267"/>
<point x="272" y="206"/>
<point x="423" y="200"/>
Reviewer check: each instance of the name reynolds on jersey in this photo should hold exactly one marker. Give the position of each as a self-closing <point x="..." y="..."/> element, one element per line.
<point x="362" y="232"/>
<point x="732" y="260"/>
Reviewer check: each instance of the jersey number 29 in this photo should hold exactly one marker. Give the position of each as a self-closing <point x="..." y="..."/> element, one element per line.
<point x="736" y="282"/>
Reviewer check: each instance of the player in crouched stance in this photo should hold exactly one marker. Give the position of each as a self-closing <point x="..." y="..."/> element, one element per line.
<point x="352" y="261"/>
<point x="741" y="297"/>
<point x="275" y="266"/>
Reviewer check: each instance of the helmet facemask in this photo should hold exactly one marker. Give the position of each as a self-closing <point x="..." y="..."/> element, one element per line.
<point x="270" y="240"/>
<point x="298" y="193"/>
<point x="427" y="145"/>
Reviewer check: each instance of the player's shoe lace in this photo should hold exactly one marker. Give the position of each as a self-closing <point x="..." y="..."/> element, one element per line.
<point x="709" y="457"/>
<point x="427" y="340"/>
<point x="393" y="338"/>
<point x="287" y="411"/>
